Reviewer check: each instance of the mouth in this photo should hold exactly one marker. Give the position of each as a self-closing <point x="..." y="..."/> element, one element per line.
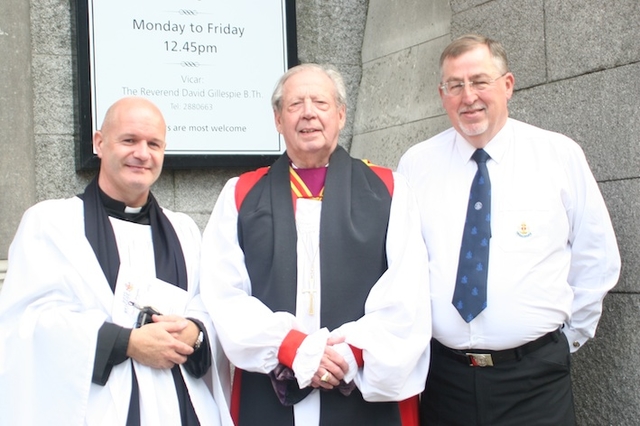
<point x="470" y="112"/>
<point x="136" y="167"/>
<point x="308" y="131"/>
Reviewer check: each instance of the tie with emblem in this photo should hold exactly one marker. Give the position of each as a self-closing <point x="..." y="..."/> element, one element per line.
<point x="470" y="294"/>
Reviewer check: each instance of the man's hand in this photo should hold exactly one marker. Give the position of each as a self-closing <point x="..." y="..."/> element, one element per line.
<point x="187" y="335"/>
<point x="160" y="345"/>
<point x="332" y="367"/>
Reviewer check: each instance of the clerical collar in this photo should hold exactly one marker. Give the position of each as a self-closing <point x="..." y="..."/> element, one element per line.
<point x="313" y="177"/>
<point x="120" y="210"/>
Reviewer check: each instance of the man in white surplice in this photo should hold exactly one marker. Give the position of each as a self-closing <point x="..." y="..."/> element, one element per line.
<point x="79" y="272"/>
<point x="316" y="277"/>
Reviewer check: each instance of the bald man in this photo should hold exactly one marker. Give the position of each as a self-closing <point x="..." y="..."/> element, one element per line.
<point x="81" y="338"/>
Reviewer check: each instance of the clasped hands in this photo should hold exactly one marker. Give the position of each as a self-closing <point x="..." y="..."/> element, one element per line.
<point x="164" y="343"/>
<point x="332" y="368"/>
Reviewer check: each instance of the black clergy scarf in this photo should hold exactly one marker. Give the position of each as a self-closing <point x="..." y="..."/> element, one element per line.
<point x="353" y="228"/>
<point x="169" y="259"/>
<point x="169" y="262"/>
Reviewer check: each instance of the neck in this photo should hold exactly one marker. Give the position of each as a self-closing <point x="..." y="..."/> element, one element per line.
<point x="309" y="160"/>
<point x="481" y="141"/>
<point x="130" y="199"/>
<point x="120" y="210"/>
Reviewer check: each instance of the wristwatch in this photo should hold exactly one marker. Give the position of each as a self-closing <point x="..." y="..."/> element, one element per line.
<point x="199" y="341"/>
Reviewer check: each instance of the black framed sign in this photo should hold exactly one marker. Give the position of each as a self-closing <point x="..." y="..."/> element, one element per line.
<point x="209" y="65"/>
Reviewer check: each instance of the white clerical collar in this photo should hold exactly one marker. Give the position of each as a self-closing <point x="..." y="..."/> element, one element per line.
<point x="296" y="167"/>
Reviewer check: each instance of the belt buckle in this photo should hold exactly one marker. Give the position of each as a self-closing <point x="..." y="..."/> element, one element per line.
<point x="480" y="360"/>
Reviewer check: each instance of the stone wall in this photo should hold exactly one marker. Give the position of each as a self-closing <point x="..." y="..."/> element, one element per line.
<point x="398" y="104"/>
<point x="17" y="174"/>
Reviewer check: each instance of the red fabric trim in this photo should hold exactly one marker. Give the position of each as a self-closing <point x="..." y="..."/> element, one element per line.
<point x="246" y="182"/>
<point x="357" y="354"/>
<point x="289" y="347"/>
<point x="235" y="396"/>
<point x="409" y="411"/>
<point x="386" y="175"/>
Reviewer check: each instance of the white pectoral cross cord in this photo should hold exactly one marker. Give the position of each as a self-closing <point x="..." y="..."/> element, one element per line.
<point x="308" y="248"/>
<point x="311" y="289"/>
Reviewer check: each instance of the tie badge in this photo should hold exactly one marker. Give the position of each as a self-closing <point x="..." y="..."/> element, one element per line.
<point x="524" y="230"/>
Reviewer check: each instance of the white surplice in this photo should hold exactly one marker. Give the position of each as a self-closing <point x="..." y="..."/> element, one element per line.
<point x="55" y="299"/>
<point x="394" y="333"/>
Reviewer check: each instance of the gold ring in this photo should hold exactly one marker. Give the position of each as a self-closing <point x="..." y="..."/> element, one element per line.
<point x="325" y="377"/>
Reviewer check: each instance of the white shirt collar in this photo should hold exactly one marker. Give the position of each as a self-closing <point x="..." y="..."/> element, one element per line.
<point x="496" y="148"/>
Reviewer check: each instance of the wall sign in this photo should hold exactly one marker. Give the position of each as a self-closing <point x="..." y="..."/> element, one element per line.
<point x="209" y="65"/>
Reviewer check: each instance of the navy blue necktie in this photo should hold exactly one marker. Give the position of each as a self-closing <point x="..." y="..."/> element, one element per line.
<point x="470" y="295"/>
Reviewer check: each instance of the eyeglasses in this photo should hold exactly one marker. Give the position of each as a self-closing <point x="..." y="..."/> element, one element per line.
<point x="455" y="87"/>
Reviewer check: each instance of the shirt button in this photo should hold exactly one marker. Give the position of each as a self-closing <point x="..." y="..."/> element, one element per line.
<point x="576" y="344"/>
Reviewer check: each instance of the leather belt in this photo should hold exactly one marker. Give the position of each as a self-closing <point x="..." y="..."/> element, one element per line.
<point x="484" y="358"/>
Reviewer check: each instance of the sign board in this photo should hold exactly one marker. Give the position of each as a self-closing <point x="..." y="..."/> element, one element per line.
<point x="209" y="65"/>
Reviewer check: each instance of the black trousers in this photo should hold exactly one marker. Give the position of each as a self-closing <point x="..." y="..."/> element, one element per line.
<point x="533" y="391"/>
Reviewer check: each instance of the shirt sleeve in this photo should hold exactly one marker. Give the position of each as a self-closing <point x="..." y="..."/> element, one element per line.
<point x="226" y="291"/>
<point x="395" y="332"/>
<point x="199" y="362"/>
<point x="595" y="260"/>
<point x="111" y="349"/>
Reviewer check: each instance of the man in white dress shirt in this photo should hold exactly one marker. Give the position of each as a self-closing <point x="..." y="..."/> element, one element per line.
<point x="74" y="349"/>
<point x="552" y="253"/>
<point x="316" y="276"/>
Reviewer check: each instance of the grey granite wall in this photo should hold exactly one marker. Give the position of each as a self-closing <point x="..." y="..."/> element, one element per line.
<point x="17" y="175"/>
<point x="398" y="104"/>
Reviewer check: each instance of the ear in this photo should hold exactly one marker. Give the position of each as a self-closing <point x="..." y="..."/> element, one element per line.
<point x="342" y="115"/>
<point x="510" y="82"/>
<point x="277" y="116"/>
<point x="97" y="143"/>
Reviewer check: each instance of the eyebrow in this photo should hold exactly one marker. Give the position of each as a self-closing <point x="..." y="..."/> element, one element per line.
<point x="136" y="136"/>
<point x="127" y="136"/>
<point x="473" y="77"/>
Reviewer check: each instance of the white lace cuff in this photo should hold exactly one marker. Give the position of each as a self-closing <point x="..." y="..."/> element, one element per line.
<point x="308" y="356"/>
<point x="345" y="350"/>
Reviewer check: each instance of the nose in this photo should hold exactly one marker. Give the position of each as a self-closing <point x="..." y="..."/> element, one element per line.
<point x="308" y="110"/>
<point x="469" y="94"/>
<point x="141" y="150"/>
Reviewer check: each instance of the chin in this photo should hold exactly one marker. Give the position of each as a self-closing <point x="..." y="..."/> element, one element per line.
<point x="140" y="181"/>
<point x="474" y="129"/>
